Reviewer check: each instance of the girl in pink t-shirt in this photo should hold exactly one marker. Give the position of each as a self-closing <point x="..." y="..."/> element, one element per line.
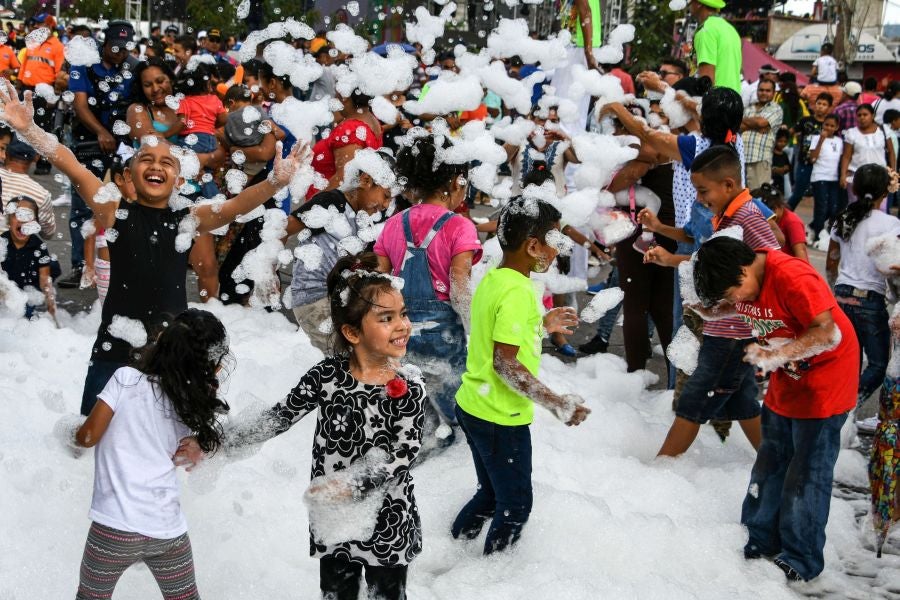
<point x="433" y="249"/>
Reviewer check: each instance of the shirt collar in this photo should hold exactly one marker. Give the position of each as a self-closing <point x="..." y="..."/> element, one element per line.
<point x="741" y="199"/>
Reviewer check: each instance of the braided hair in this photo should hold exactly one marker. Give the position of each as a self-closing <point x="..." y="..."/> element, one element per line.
<point x="183" y="362"/>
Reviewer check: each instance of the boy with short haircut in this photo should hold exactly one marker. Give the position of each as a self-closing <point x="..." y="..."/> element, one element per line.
<point x="781" y="162"/>
<point x="495" y="402"/>
<point x="242" y="125"/>
<point x="807" y="127"/>
<point x="824" y="68"/>
<point x="722" y="387"/>
<point x="809" y="346"/>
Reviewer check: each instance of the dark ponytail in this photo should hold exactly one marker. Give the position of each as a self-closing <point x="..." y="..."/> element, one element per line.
<point x="720" y="116"/>
<point x="870" y="185"/>
<point x="183" y="363"/>
<point x="422" y="167"/>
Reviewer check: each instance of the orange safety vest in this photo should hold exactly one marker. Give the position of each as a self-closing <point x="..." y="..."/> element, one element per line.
<point x="43" y="63"/>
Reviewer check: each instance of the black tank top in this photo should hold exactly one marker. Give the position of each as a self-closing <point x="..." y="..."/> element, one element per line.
<point x="147" y="274"/>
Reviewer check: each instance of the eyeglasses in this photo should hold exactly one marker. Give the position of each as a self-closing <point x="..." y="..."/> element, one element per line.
<point x="667" y="73"/>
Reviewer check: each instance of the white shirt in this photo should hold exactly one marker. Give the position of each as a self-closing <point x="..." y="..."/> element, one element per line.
<point x="827" y="165"/>
<point x="882" y="106"/>
<point x="135" y="484"/>
<point x="867" y="148"/>
<point x="857" y="269"/>
<point x="826" y="69"/>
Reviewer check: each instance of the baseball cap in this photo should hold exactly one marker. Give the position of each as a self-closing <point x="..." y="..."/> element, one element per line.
<point x="852" y="89"/>
<point x="317" y="44"/>
<point x="214" y="35"/>
<point x="767" y="68"/>
<point x="717" y="4"/>
<point x="172" y="29"/>
<point x="18" y="149"/>
<point x="120" y="32"/>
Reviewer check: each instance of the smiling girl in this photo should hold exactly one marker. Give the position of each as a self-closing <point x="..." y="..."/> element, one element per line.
<point x="368" y="433"/>
<point x="147" y="272"/>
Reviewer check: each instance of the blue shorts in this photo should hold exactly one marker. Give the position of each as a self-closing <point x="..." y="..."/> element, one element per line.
<point x="723" y="387"/>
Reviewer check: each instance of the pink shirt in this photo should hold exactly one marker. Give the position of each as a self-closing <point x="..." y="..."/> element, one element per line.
<point x="458" y="235"/>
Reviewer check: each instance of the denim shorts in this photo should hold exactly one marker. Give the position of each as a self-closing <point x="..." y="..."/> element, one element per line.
<point x="723" y="387"/>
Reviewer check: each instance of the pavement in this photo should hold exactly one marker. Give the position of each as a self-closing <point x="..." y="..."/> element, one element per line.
<point x="76" y="300"/>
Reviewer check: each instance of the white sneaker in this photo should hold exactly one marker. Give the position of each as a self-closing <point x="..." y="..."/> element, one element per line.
<point x="868" y="425"/>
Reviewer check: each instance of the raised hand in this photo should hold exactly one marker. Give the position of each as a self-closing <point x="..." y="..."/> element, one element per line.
<point x="17" y="114"/>
<point x="648" y="220"/>
<point x="284" y="168"/>
<point x="561" y="320"/>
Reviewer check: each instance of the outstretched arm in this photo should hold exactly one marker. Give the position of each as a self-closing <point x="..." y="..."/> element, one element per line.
<point x="822" y="335"/>
<point x="19" y="115"/>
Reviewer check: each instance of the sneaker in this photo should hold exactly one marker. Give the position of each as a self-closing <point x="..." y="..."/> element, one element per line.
<point x="868" y="425"/>
<point x="596" y="346"/>
<point x="72" y="280"/>
<point x="567" y="350"/>
<point x="789" y="571"/>
<point x="593" y="290"/>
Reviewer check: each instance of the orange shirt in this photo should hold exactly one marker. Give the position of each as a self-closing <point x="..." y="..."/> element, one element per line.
<point x="8" y="59"/>
<point x="43" y="63"/>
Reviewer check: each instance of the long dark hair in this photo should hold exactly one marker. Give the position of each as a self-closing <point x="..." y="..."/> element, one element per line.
<point x="421" y="166"/>
<point x="183" y="362"/>
<point x="870" y="184"/>
<point x="137" y="88"/>
<point x="721" y="114"/>
<point x="354" y="285"/>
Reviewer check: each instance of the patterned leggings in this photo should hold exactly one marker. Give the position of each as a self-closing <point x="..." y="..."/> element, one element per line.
<point x="108" y="552"/>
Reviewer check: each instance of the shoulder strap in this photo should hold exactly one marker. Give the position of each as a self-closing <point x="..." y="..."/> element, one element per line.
<point x="437" y="227"/>
<point x="631" y="203"/>
<point x="407" y="229"/>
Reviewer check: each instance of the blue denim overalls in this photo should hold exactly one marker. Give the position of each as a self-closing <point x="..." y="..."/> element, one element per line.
<point x="438" y="342"/>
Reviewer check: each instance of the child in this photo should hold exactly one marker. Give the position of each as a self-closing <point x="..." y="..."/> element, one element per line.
<point x="806" y="128"/>
<point x="365" y="192"/>
<point x="824" y="68"/>
<point x="142" y="417"/>
<point x="723" y="386"/>
<point x="786" y="219"/>
<point x="859" y="287"/>
<point x="781" y="162"/>
<point x="433" y="249"/>
<point x="495" y="402"/>
<point x="368" y="434"/>
<point x="242" y="125"/>
<point x="825" y="154"/>
<point x="26" y="260"/>
<point x="202" y="112"/>
<point x="808" y="345"/>
<point x="147" y="277"/>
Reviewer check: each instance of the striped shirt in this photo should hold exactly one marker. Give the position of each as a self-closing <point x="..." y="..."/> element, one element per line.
<point x="20" y="184"/>
<point x="757" y="235"/>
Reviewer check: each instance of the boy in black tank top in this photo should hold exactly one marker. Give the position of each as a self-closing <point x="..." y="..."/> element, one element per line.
<point x="147" y="272"/>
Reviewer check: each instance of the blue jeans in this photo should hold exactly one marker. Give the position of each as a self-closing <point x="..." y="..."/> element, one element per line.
<point x="869" y="317"/>
<point x="723" y="387"/>
<point x="502" y="456"/>
<point x="802" y="175"/>
<point x="825" y="194"/>
<point x="205" y="143"/>
<point x="786" y="507"/>
<point x="98" y="374"/>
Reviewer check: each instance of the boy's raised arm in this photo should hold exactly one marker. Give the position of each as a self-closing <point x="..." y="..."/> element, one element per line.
<point x="19" y="115"/>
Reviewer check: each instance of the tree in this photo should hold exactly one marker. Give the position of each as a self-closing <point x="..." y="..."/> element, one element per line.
<point x="844" y="48"/>
<point x="653" y="38"/>
<point x="95" y="9"/>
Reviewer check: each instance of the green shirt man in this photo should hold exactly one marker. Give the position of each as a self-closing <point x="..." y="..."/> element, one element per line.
<point x="717" y="45"/>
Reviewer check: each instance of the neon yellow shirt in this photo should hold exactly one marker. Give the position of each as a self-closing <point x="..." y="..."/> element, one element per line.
<point x="596" y="29"/>
<point x="717" y="43"/>
<point x="504" y="309"/>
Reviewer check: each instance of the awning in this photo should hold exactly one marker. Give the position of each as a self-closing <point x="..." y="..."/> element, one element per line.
<point x="755" y="57"/>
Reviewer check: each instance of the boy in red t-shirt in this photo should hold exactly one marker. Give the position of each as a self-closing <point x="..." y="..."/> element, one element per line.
<point x="809" y="345"/>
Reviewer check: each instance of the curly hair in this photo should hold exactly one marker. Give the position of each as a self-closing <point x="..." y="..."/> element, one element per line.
<point x="183" y="362"/>
<point x="196" y="82"/>
<point x="870" y="185"/>
<point x="722" y="112"/>
<point x="137" y="86"/>
<point x="354" y="285"/>
<point x="421" y="166"/>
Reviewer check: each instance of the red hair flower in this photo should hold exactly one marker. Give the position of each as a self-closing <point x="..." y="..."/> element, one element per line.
<point x="396" y="387"/>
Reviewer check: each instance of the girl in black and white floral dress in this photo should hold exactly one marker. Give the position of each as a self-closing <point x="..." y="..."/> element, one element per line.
<point x="368" y="434"/>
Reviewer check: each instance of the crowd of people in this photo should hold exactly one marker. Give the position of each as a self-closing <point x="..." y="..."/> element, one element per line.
<point x="284" y="153"/>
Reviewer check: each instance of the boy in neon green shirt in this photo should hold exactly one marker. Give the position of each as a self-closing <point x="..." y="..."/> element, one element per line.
<point x="495" y="403"/>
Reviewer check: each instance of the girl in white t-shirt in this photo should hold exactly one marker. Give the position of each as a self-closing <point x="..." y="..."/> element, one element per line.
<point x="141" y="419"/>
<point x="825" y="154"/>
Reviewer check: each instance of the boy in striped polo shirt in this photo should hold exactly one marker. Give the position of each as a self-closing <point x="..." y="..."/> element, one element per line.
<point x="723" y="387"/>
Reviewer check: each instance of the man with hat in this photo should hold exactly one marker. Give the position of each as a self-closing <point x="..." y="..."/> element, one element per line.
<point x="15" y="181"/>
<point x="717" y="45"/>
<point x="171" y="32"/>
<point x="41" y="65"/>
<point x="213" y="46"/>
<point x="94" y="144"/>
<point x="846" y="108"/>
